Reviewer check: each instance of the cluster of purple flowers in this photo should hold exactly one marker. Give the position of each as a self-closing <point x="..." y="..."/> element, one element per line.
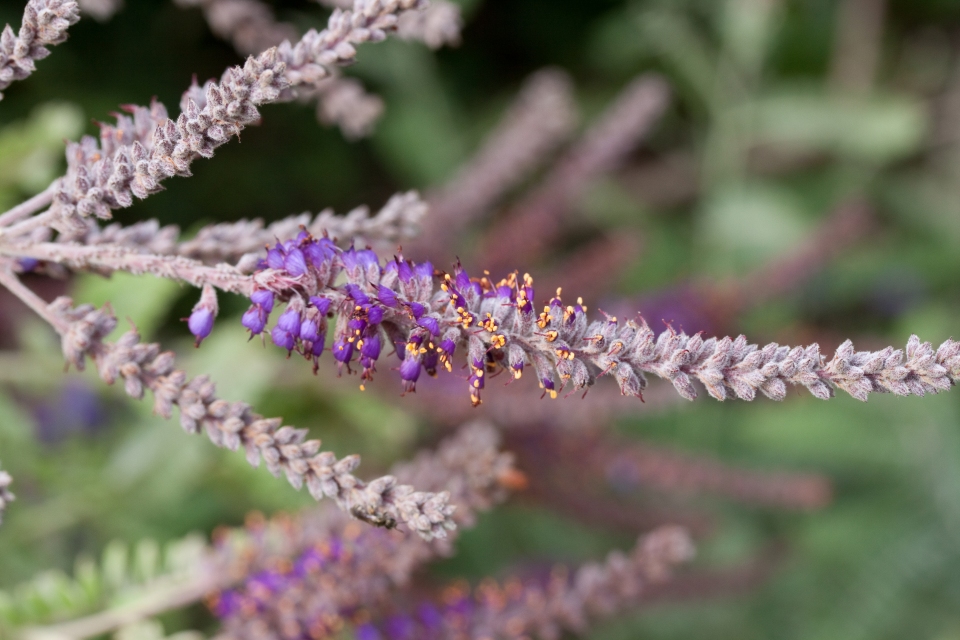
<point x="396" y="304"/>
<point x="259" y="590"/>
<point x="430" y="622"/>
<point x="372" y="306"/>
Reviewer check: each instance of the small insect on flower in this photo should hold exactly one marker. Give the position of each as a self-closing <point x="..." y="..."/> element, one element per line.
<point x="379" y="520"/>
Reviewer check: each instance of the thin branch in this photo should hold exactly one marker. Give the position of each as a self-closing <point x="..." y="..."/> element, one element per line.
<point x="29" y="207"/>
<point x="107" y="258"/>
<point x="9" y="280"/>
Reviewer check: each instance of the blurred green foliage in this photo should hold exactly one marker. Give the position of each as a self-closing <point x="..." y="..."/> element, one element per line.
<point x="750" y="76"/>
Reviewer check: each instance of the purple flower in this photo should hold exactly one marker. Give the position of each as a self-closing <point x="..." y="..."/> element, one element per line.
<point x="387" y="296"/>
<point x="226" y="604"/>
<point x="375" y="315"/>
<point x="263" y="298"/>
<point x="322" y="304"/>
<point x="371" y="347"/>
<point x="549" y="387"/>
<point x="28" y="264"/>
<point x="445" y="353"/>
<point x="316" y="348"/>
<point x="255" y="319"/>
<point x="309" y="330"/>
<point x="429" y="616"/>
<point x="410" y="370"/>
<point x="200" y="324"/>
<point x="417" y="309"/>
<point x="201" y="318"/>
<point x="367" y="631"/>
<point x="424" y="272"/>
<point x="283" y="339"/>
<point x="295" y="263"/>
<point x="290" y="322"/>
<point x="404" y="272"/>
<point x="342" y="350"/>
<point x="357" y="294"/>
<point x="275" y="257"/>
<point x="430" y="324"/>
<point x="319" y="251"/>
<point x="355" y="327"/>
<point x="361" y="265"/>
<point x="399" y="628"/>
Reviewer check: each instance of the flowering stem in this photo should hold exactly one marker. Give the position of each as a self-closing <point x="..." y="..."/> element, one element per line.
<point x="111" y="257"/>
<point x="29" y="207"/>
<point x="9" y="280"/>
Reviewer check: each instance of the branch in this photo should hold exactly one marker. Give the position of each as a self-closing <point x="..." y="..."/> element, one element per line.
<point x="106" y="258"/>
<point x="29" y="207"/>
<point x="235" y="242"/>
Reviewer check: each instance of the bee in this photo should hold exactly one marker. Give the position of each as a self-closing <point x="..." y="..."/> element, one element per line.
<point x="384" y="520"/>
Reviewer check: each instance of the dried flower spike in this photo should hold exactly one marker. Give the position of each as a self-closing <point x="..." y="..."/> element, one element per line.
<point x="45" y="23"/>
<point x="233" y="425"/>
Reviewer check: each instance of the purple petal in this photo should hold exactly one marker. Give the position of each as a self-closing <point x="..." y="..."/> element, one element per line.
<point x="254" y="319"/>
<point x="263" y="298"/>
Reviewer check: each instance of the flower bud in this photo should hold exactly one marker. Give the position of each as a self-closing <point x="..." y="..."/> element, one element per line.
<point x="200" y="321"/>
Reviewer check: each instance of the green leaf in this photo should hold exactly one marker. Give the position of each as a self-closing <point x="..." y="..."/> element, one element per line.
<point x="878" y="129"/>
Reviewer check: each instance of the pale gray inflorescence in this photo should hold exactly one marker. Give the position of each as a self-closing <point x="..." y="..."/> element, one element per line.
<point x="247" y="24"/>
<point x="45" y="23"/>
<point x="6" y="496"/>
<point x="101" y="10"/>
<point x="594" y="590"/>
<point x="233" y="425"/>
<point x="437" y="25"/>
<point x="242" y="242"/>
<point x="97" y="183"/>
